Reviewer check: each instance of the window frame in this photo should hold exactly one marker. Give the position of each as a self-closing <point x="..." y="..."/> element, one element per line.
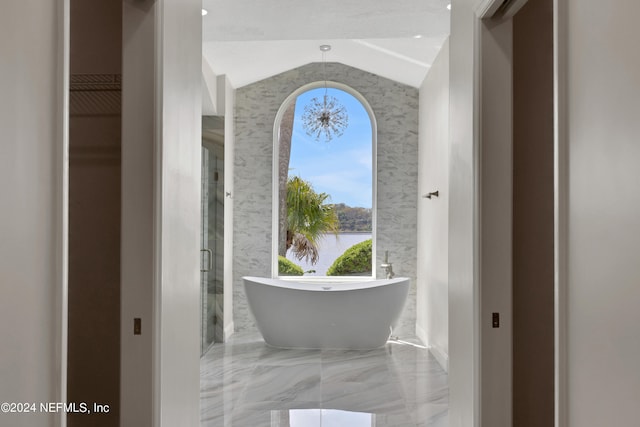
<point x="275" y="211"/>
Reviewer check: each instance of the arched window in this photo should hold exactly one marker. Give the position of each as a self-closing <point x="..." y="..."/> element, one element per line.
<point x="324" y="190"/>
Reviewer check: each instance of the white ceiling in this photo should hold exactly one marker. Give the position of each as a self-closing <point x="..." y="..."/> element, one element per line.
<point x="249" y="40"/>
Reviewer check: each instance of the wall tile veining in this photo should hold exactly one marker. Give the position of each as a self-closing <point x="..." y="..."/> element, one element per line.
<point x="395" y="107"/>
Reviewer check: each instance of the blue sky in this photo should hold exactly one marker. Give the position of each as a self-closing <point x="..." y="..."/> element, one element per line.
<point x="341" y="167"/>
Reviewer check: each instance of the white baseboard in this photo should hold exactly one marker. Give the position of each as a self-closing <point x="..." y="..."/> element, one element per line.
<point x="228" y="331"/>
<point x="441" y="356"/>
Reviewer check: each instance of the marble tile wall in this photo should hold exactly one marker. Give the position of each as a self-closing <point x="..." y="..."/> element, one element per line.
<point x="395" y="107"/>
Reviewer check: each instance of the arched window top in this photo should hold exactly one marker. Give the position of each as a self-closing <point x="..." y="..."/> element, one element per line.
<point x="324" y="191"/>
<point x="332" y="86"/>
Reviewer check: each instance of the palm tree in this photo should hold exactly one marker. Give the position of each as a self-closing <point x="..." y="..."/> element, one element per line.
<point x="308" y="218"/>
<point x="284" y="142"/>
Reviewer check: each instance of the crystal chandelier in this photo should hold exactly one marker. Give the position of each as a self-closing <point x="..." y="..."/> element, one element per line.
<point x="326" y="118"/>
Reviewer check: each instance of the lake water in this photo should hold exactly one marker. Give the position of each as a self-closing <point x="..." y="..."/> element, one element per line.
<point x="330" y="247"/>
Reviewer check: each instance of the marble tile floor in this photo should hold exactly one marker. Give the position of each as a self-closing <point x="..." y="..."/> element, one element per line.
<point x="245" y="383"/>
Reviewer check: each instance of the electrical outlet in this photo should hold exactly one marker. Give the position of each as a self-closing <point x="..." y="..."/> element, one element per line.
<point x="495" y="320"/>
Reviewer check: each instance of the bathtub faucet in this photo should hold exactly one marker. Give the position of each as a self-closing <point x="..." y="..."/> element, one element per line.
<point x="387" y="266"/>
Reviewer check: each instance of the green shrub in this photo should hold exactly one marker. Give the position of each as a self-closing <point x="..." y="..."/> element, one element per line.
<point x="288" y="268"/>
<point x="355" y="260"/>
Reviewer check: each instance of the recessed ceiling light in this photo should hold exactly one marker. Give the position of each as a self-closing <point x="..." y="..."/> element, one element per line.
<point x="417" y="36"/>
<point x="204" y="12"/>
<point x="449" y="6"/>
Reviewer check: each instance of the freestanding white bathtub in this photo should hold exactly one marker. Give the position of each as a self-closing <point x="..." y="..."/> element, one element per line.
<point x="326" y="315"/>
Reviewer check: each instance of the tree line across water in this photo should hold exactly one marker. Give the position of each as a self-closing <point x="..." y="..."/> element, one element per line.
<point x="352" y="219"/>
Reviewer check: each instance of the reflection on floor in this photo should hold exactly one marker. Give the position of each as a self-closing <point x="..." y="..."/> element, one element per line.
<point x="244" y="383"/>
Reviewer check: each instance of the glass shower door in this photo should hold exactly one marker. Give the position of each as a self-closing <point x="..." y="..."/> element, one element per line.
<point x="211" y="253"/>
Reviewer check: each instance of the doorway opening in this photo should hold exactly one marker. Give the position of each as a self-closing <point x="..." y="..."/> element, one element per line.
<point x="212" y="232"/>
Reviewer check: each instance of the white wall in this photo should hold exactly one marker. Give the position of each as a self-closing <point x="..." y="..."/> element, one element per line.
<point x="601" y="131"/>
<point x="463" y="345"/>
<point x="161" y="199"/>
<point x="180" y="174"/>
<point x="33" y="213"/>
<point x="432" y="323"/>
<point x="209" y="91"/>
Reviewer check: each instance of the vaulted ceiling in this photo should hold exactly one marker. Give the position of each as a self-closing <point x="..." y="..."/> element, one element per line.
<point x="249" y="40"/>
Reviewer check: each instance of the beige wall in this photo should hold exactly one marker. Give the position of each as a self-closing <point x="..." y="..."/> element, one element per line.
<point x="600" y="129"/>
<point x="32" y="217"/>
<point x="137" y="226"/>
<point x="433" y="240"/>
